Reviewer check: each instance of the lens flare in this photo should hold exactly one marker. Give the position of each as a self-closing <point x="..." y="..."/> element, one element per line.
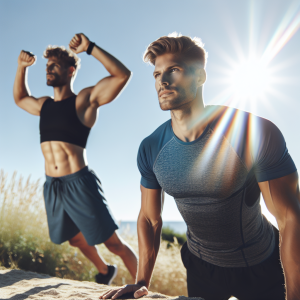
<point x="285" y="31"/>
<point x="250" y="79"/>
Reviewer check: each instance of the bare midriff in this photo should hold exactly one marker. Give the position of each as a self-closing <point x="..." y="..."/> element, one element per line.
<point x="62" y="158"/>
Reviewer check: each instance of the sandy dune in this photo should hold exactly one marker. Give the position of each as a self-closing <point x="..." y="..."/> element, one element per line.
<point x="19" y="285"/>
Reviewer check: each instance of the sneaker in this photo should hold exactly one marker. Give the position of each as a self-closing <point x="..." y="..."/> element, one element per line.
<point x="109" y="277"/>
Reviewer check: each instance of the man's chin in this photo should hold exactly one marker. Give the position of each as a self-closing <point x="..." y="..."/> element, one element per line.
<point x="164" y="107"/>
<point x="169" y="105"/>
<point x="49" y="83"/>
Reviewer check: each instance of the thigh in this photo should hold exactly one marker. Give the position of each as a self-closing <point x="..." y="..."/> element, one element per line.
<point x="79" y="241"/>
<point x="61" y="226"/>
<point x="87" y="207"/>
<point x="207" y="290"/>
<point x="264" y="281"/>
<point x="264" y="284"/>
<point x="203" y="279"/>
<point x="114" y="240"/>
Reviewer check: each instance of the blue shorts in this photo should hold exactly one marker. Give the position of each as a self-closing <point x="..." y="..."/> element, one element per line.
<point x="76" y="203"/>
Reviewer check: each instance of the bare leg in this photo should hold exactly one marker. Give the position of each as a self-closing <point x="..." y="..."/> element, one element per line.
<point x="90" y="252"/>
<point x="118" y="246"/>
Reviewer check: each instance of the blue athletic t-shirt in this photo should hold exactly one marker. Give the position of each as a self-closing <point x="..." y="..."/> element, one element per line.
<point x="214" y="181"/>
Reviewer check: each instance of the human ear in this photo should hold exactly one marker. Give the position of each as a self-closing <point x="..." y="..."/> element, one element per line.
<point x="72" y="71"/>
<point x="201" y="77"/>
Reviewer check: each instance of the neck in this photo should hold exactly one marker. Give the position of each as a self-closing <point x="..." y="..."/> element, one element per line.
<point x="189" y="121"/>
<point x="63" y="92"/>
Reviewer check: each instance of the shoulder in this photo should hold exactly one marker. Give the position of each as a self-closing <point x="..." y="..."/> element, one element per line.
<point x="232" y="121"/>
<point x="152" y="144"/>
<point x="251" y="136"/>
<point x="224" y="117"/>
<point x="162" y="134"/>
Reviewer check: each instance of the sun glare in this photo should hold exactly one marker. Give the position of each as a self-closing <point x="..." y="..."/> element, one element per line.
<point x="250" y="79"/>
<point x="250" y="76"/>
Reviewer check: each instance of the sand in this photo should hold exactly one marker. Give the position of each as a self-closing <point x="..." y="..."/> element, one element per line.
<point x="19" y="285"/>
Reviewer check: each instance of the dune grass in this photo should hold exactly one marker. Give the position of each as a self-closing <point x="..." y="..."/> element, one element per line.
<point x="25" y="243"/>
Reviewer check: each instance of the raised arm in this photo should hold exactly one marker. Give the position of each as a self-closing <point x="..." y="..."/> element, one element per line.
<point x="108" y="88"/>
<point x="149" y="233"/>
<point x="21" y="90"/>
<point x="282" y="199"/>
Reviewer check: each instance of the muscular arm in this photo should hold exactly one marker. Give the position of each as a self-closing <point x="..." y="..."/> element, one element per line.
<point x="21" y="90"/>
<point x="108" y="88"/>
<point x="283" y="201"/>
<point x="149" y="232"/>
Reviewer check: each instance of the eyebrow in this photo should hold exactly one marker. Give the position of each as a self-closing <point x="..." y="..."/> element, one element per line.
<point x="171" y="67"/>
<point x="55" y="63"/>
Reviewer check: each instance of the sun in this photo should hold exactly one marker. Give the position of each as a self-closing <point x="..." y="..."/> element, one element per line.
<point x="250" y="79"/>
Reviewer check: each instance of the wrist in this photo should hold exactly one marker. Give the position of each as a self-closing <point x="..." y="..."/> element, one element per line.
<point x="22" y="67"/>
<point x="90" y="48"/>
<point x="142" y="283"/>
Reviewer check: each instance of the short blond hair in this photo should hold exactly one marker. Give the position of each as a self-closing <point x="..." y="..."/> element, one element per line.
<point x="190" y="48"/>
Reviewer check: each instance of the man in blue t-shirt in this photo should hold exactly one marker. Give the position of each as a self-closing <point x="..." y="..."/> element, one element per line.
<point x="215" y="161"/>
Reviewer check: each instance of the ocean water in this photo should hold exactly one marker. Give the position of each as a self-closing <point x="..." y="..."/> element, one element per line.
<point x="129" y="227"/>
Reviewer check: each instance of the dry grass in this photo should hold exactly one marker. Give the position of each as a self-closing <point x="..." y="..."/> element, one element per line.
<point x="25" y="243"/>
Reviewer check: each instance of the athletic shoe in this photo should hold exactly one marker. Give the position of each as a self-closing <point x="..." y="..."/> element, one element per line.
<point x="109" y="277"/>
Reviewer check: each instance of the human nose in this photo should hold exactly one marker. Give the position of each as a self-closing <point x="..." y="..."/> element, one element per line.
<point x="164" y="80"/>
<point x="49" y="68"/>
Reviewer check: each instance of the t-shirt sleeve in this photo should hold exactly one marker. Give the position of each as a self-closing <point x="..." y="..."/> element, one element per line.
<point x="145" y="165"/>
<point x="271" y="157"/>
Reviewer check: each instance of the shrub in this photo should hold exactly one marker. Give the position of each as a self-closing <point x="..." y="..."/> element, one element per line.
<point x="168" y="234"/>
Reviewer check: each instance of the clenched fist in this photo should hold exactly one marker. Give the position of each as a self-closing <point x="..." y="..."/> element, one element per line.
<point x="26" y="59"/>
<point x="79" y="43"/>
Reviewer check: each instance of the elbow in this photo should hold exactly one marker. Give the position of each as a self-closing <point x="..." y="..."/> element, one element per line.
<point x="151" y="222"/>
<point x="290" y="220"/>
<point x="127" y="76"/>
<point x="17" y="99"/>
<point x="293" y="216"/>
<point x="124" y="79"/>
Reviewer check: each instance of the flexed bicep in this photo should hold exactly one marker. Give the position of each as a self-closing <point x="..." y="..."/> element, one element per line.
<point x="107" y="89"/>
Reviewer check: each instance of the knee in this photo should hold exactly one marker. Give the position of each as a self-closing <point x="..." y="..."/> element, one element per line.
<point x="118" y="249"/>
<point x="74" y="242"/>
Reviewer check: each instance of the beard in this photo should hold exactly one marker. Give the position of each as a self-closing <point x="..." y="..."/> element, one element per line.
<point x="55" y="80"/>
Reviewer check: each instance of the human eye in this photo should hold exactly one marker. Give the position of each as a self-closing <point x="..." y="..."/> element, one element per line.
<point x="156" y="75"/>
<point x="174" y="70"/>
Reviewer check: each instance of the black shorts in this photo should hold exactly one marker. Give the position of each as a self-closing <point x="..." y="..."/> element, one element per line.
<point x="264" y="281"/>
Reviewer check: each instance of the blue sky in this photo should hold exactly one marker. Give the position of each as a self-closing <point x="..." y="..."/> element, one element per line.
<point x="231" y="31"/>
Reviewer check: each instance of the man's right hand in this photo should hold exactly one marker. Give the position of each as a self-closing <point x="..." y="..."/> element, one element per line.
<point x="26" y="59"/>
<point x="136" y="289"/>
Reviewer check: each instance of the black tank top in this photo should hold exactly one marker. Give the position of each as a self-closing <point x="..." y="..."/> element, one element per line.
<point x="59" y="122"/>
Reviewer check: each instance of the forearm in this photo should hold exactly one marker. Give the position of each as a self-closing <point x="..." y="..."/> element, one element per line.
<point x="21" y="89"/>
<point x="111" y="64"/>
<point x="149" y="235"/>
<point x="289" y="252"/>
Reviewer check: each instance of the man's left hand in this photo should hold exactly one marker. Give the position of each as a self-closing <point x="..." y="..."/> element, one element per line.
<point x="79" y="43"/>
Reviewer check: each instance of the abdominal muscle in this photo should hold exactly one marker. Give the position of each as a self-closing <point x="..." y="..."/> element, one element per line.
<point x="62" y="158"/>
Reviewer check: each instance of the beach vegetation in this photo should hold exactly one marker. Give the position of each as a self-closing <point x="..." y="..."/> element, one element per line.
<point x="25" y="243"/>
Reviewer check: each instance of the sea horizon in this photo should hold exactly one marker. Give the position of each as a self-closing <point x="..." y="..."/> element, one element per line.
<point x="130" y="227"/>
